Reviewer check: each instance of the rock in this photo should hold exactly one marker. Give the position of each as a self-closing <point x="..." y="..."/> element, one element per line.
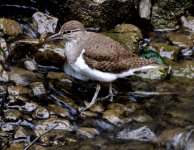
<point x="181" y="40"/>
<point x="61" y="124"/>
<point x="12" y="115"/>
<point x="48" y="54"/>
<point x="167" y="51"/>
<point x="41" y="113"/>
<point x="165" y="13"/>
<point x="89" y="114"/>
<point x="31" y="65"/>
<point x="141" y="134"/>
<point x="38" y="88"/>
<point x="103" y="13"/>
<point x="145" y="9"/>
<point x="184" y="70"/>
<point x="4" y="75"/>
<point x="23" y="77"/>
<point x="174" y="137"/>
<point x="29" y="107"/>
<point x="10" y="27"/>
<point x="88" y="132"/>
<point x="44" y="23"/>
<point x="62" y="112"/>
<point x="61" y="76"/>
<point x="188" y="23"/>
<point x="20" y="133"/>
<point x="126" y="34"/>
<point x="4" y="52"/>
<point x="16" y="146"/>
<point x="19" y="90"/>
<point x="37" y="147"/>
<point x="98" y="107"/>
<point x="114" y="116"/>
<point x="7" y="127"/>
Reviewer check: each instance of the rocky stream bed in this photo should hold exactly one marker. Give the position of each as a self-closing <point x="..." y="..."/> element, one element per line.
<point x="153" y="110"/>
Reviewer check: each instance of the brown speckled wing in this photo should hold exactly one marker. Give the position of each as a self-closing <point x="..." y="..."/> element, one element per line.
<point x="104" y="54"/>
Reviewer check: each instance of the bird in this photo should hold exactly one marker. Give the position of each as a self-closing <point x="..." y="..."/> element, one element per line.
<point x="94" y="56"/>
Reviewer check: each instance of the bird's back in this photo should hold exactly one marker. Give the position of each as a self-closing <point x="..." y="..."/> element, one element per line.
<point x="105" y="54"/>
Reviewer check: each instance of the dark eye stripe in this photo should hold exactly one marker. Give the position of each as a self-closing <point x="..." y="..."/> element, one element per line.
<point x="68" y="31"/>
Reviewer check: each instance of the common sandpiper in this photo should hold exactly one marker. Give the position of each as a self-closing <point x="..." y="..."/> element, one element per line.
<point x="97" y="57"/>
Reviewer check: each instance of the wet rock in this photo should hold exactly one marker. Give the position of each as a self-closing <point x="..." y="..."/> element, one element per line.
<point x="181" y="40"/>
<point x="165" y="13"/>
<point x="23" y="77"/>
<point x="174" y="138"/>
<point x="48" y="54"/>
<point x="43" y="125"/>
<point x="119" y="114"/>
<point x="20" y="133"/>
<point x="37" y="147"/>
<point x="4" y="52"/>
<point x="114" y="116"/>
<point x="145" y="9"/>
<point x="59" y="138"/>
<point x="155" y="73"/>
<point x="38" y="88"/>
<point x="89" y="114"/>
<point x="10" y="27"/>
<point x="141" y="134"/>
<point x="12" y="115"/>
<point x="31" y="65"/>
<point x="3" y="89"/>
<point x="98" y="107"/>
<point x="62" y="112"/>
<point x="61" y="76"/>
<point x="101" y="13"/>
<point x="188" y="23"/>
<point x="45" y="23"/>
<point x="4" y="76"/>
<point x="190" y="144"/>
<point x="16" y="146"/>
<point x="7" y="127"/>
<point x="51" y="54"/>
<point x="184" y="70"/>
<point x="126" y="34"/>
<point x="180" y="115"/>
<point x="66" y="103"/>
<point x="88" y="132"/>
<point x="19" y="90"/>
<point x="41" y="113"/>
<point x="167" y="51"/>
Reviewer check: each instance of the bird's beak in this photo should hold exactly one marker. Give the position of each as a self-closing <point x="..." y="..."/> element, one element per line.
<point x="57" y="36"/>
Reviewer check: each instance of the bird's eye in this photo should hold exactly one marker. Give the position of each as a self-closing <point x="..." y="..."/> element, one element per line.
<point x="67" y="32"/>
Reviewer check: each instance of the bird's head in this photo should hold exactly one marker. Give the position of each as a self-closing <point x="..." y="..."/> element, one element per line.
<point x="70" y="30"/>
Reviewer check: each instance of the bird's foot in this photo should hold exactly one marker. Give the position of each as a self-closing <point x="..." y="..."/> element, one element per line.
<point x="111" y="95"/>
<point x="88" y="105"/>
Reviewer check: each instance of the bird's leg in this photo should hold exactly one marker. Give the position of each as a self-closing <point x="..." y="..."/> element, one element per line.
<point x="94" y="99"/>
<point x="111" y="94"/>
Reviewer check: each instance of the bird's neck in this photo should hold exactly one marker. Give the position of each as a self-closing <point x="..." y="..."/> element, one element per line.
<point x="73" y="48"/>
